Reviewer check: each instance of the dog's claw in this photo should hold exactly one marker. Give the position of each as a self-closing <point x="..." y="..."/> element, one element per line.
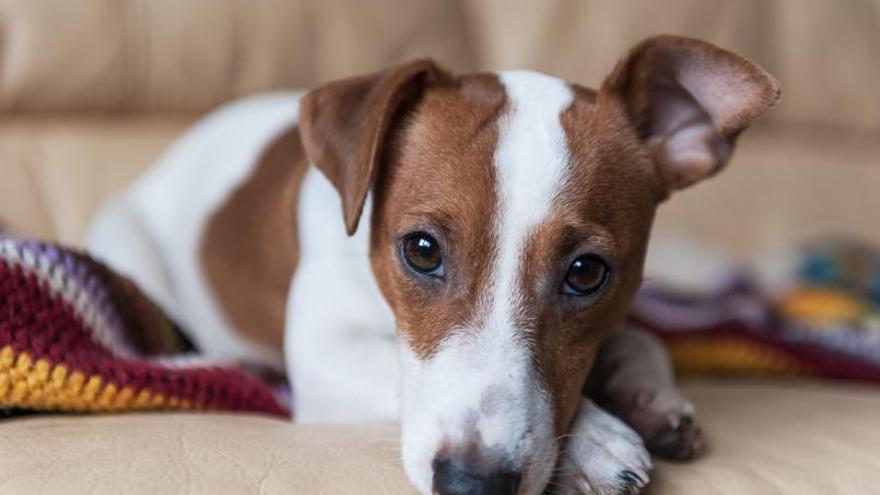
<point x="630" y="482"/>
<point x="631" y="477"/>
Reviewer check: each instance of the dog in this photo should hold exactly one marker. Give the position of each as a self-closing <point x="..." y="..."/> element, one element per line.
<point x="492" y="235"/>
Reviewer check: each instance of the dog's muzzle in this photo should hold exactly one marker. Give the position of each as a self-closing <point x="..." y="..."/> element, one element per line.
<point x="457" y="477"/>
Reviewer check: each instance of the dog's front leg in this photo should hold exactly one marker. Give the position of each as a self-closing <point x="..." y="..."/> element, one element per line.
<point x="602" y="456"/>
<point x="633" y="378"/>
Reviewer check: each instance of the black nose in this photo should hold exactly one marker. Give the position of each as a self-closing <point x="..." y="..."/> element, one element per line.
<point x="453" y="477"/>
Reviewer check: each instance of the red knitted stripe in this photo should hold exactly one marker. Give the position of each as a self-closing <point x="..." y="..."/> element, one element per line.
<point x="33" y="321"/>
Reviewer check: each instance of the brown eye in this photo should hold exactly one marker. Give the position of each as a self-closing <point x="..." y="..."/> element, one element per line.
<point x="585" y="275"/>
<point x="422" y="253"/>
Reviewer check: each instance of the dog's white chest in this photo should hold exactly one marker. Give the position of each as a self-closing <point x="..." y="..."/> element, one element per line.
<point x="340" y="333"/>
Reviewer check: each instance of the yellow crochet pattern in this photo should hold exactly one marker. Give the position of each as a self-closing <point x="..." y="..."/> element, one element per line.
<point x="41" y="386"/>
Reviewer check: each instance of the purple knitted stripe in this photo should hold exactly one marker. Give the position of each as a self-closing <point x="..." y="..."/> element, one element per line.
<point x="79" y="282"/>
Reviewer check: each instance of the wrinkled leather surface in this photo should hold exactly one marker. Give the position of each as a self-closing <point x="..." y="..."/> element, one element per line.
<point x="194" y="54"/>
<point x="55" y="172"/>
<point x="766" y="439"/>
<point x="819" y="50"/>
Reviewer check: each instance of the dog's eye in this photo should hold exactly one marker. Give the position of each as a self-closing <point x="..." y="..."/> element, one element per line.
<point x="422" y="253"/>
<point x="585" y="275"/>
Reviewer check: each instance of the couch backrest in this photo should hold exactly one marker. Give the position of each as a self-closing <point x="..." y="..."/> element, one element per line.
<point x="194" y="54"/>
<point x="184" y="55"/>
<point x="824" y="52"/>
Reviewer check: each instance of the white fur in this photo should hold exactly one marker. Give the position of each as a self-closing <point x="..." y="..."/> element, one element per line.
<point x="152" y="232"/>
<point x="602" y="448"/>
<point x="340" y="343"/>
<point x="489" y="358"/>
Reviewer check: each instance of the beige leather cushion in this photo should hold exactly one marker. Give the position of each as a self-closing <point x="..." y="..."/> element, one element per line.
<point x="194" y="54"/>
<point x="172" y="54"/>
<point x="766" y="439"/>
<point x="55" y="172"/>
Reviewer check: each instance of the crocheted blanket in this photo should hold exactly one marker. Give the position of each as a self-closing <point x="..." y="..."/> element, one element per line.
<point x="75" y="336"/>
<point x="825" y="324"/>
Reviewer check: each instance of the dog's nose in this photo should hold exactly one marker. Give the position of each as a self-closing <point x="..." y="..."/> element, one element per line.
<point x="454" y="477"/>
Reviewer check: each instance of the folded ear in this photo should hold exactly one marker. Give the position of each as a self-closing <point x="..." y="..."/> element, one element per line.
<point x="344" y="126"/>
<point x="689" y="101"/>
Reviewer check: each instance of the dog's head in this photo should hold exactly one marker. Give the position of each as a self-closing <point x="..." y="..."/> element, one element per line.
<point x="510" y="218"/>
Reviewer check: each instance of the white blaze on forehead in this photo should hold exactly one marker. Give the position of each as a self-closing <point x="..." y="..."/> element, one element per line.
<point x="481" y="383"/>
<point x="531" y="160"/>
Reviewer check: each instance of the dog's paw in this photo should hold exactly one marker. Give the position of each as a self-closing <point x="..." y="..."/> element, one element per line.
<point x="679" y="437"/>
<point x="664" y="419"/>
<point x="604" y="456"/>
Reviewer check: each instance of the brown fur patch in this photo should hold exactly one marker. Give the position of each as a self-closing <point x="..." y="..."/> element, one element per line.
<point x="345" y="126"/>
<point x="249" y="248"/>
<point x="438" y="176"/>
<point x="605" y="208"/>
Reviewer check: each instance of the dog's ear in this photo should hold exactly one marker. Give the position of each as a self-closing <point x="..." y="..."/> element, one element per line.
<point x="689" y="100"/>
<point x="345" y="124"/>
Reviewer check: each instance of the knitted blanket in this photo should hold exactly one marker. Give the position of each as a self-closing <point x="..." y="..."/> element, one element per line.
<point x="826" y="324"/>
<point x="75" y="336"/>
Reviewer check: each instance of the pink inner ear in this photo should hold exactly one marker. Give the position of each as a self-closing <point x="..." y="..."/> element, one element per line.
<point x="695" y="106"/>
<point x="693" y="152"/>
<point x="691" y="145"/>
<point x="690" y="100"/>
<point x="730" y="95"/>
<point x="716" y="93"/>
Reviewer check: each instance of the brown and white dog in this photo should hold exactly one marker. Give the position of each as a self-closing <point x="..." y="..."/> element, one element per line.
<point x="504" y="219"/>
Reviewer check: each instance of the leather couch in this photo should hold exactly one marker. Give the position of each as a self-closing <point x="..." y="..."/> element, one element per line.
<point x="91" y="91"/>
